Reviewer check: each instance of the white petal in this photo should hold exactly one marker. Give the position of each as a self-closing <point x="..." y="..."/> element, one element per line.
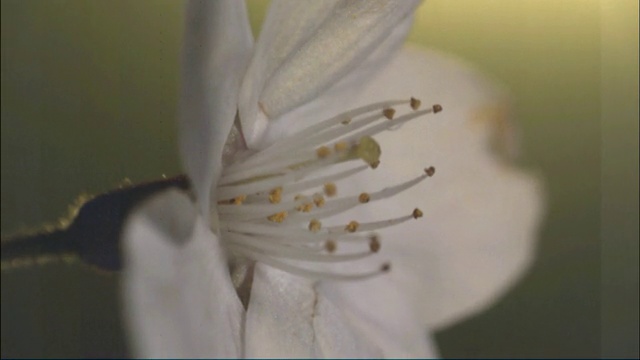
<point x="342" y="94"/>
<point x="376" y="310"/>
<point x="320" y="54"/>
<point x="481" y="215"/>
<point x="287" y="26"/>
<point x="178" y="297"/>
<point x="217" y="44"/>
<point x="290" y="316"/>
<point x="279" y="318"/>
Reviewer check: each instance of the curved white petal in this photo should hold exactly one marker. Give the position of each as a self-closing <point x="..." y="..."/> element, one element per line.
<point x="217" y="44"/>
<point x="289" y="316"/>
<point x="342" y="94"/>
<point x="287" y="26"/>
<point x="178" y="297"/>
<point x="379" y="311"/>
<point x="279" y="316"/>
<point x="320" y="54"/>
<point x="481" y="215"/>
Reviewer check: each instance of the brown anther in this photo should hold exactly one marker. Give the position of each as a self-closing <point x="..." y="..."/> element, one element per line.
<point x="298" y="197"/>
<point x="364" y="198"/>
<point x="386" y="267"/>
<point x="278" y="217"/>
<point x="318" y="200"/>
<point x="330" y="246"/>
<point x="374" y="244"/>
<point x="275" y="195"/>
<point x="323" y="151"/>
<point x="238" y="200"/>
<point x="306" y="207"/>
<point x="430" y="171"/>
<point x="375" y="164"/>
<point x="315" y="225"/>
<point x="352" y="227"/>
<point x="341" y="146"/>
<point x="330" y="189"/>
<point x="345" y="121"/>
<point x="415" y="103"/>
<point x="417" y="213"/>
<point x="388" y="113"/>
<point x="437" y="108"/>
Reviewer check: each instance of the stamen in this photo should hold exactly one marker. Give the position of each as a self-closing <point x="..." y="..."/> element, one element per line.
<point x="276" y="227"/>
<point x="278" y="217"/>
<point x="323" y="152"/>
<point x="415" y="103"/>
<point x="330" y="246"/>
<point x="302" y="137"/>
<point x="388" y="113"/>
<point x="374" y="244"/>
<point x="306" y="207"/>
<point x="314" y="275"/>
<point x="352" y="226"/>
<point x="318" y="199"/>
<point x="314" y="225"/>
<point x="330" y="189"/>
<point x="341" y="146"/>
<point x="275" y="195"/>
<point x="430" y="171"/>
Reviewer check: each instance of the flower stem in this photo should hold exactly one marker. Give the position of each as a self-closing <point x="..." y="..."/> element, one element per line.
<point x="92" y="236"/>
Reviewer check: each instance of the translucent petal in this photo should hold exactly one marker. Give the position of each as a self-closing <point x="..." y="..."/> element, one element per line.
<point x="342" y="94"/>
<point x="349" y="33"/>
<point x="279" y="316"/>
<point x="287" y="26"/>
<point x="481" y="214"/>
<point x="217" y="45"/>
<point x="178" y="297"/>
<point x="378" y="310"/>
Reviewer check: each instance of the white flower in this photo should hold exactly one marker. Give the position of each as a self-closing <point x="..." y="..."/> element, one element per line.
<point x="310" y="60"/>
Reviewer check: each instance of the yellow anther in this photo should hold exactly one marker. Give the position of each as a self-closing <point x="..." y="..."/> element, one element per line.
<point x="306" y="207"/>
<point x="330" y="189"/>
<point x="364" y="198"/>
<point x="374" y="244"/>
<point x="388" y="113"/>
<point x="323" y="151"/>
<point x="330" y="246"/>
<point x="352" y="226"/>
<point x="430" y="171"/>
<point x="278" y="217"/>
<point x="341" y="146"/>
<point x="298" y="197"/>
<point x="275" y="195"/>
<point x="318" y="200"/>
<point x="415" y="103"/>
<point x="417" y="213"/>
<point x="238" y="200"/>
<point x="315" y="225"/>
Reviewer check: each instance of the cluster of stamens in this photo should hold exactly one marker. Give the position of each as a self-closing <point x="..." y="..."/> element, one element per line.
<point x="271" y="204"/>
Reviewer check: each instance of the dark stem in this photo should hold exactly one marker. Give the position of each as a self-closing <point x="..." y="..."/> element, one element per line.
<point x="93" y="235"/>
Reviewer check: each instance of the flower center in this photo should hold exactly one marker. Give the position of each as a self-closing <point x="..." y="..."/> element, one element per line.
<point x="271" y="204"/>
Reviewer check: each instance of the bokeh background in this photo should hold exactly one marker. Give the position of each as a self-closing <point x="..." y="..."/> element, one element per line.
<point x="89" y="94"/>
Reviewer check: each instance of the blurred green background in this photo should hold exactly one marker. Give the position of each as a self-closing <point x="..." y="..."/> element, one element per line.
<point x="89" y="98"/>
